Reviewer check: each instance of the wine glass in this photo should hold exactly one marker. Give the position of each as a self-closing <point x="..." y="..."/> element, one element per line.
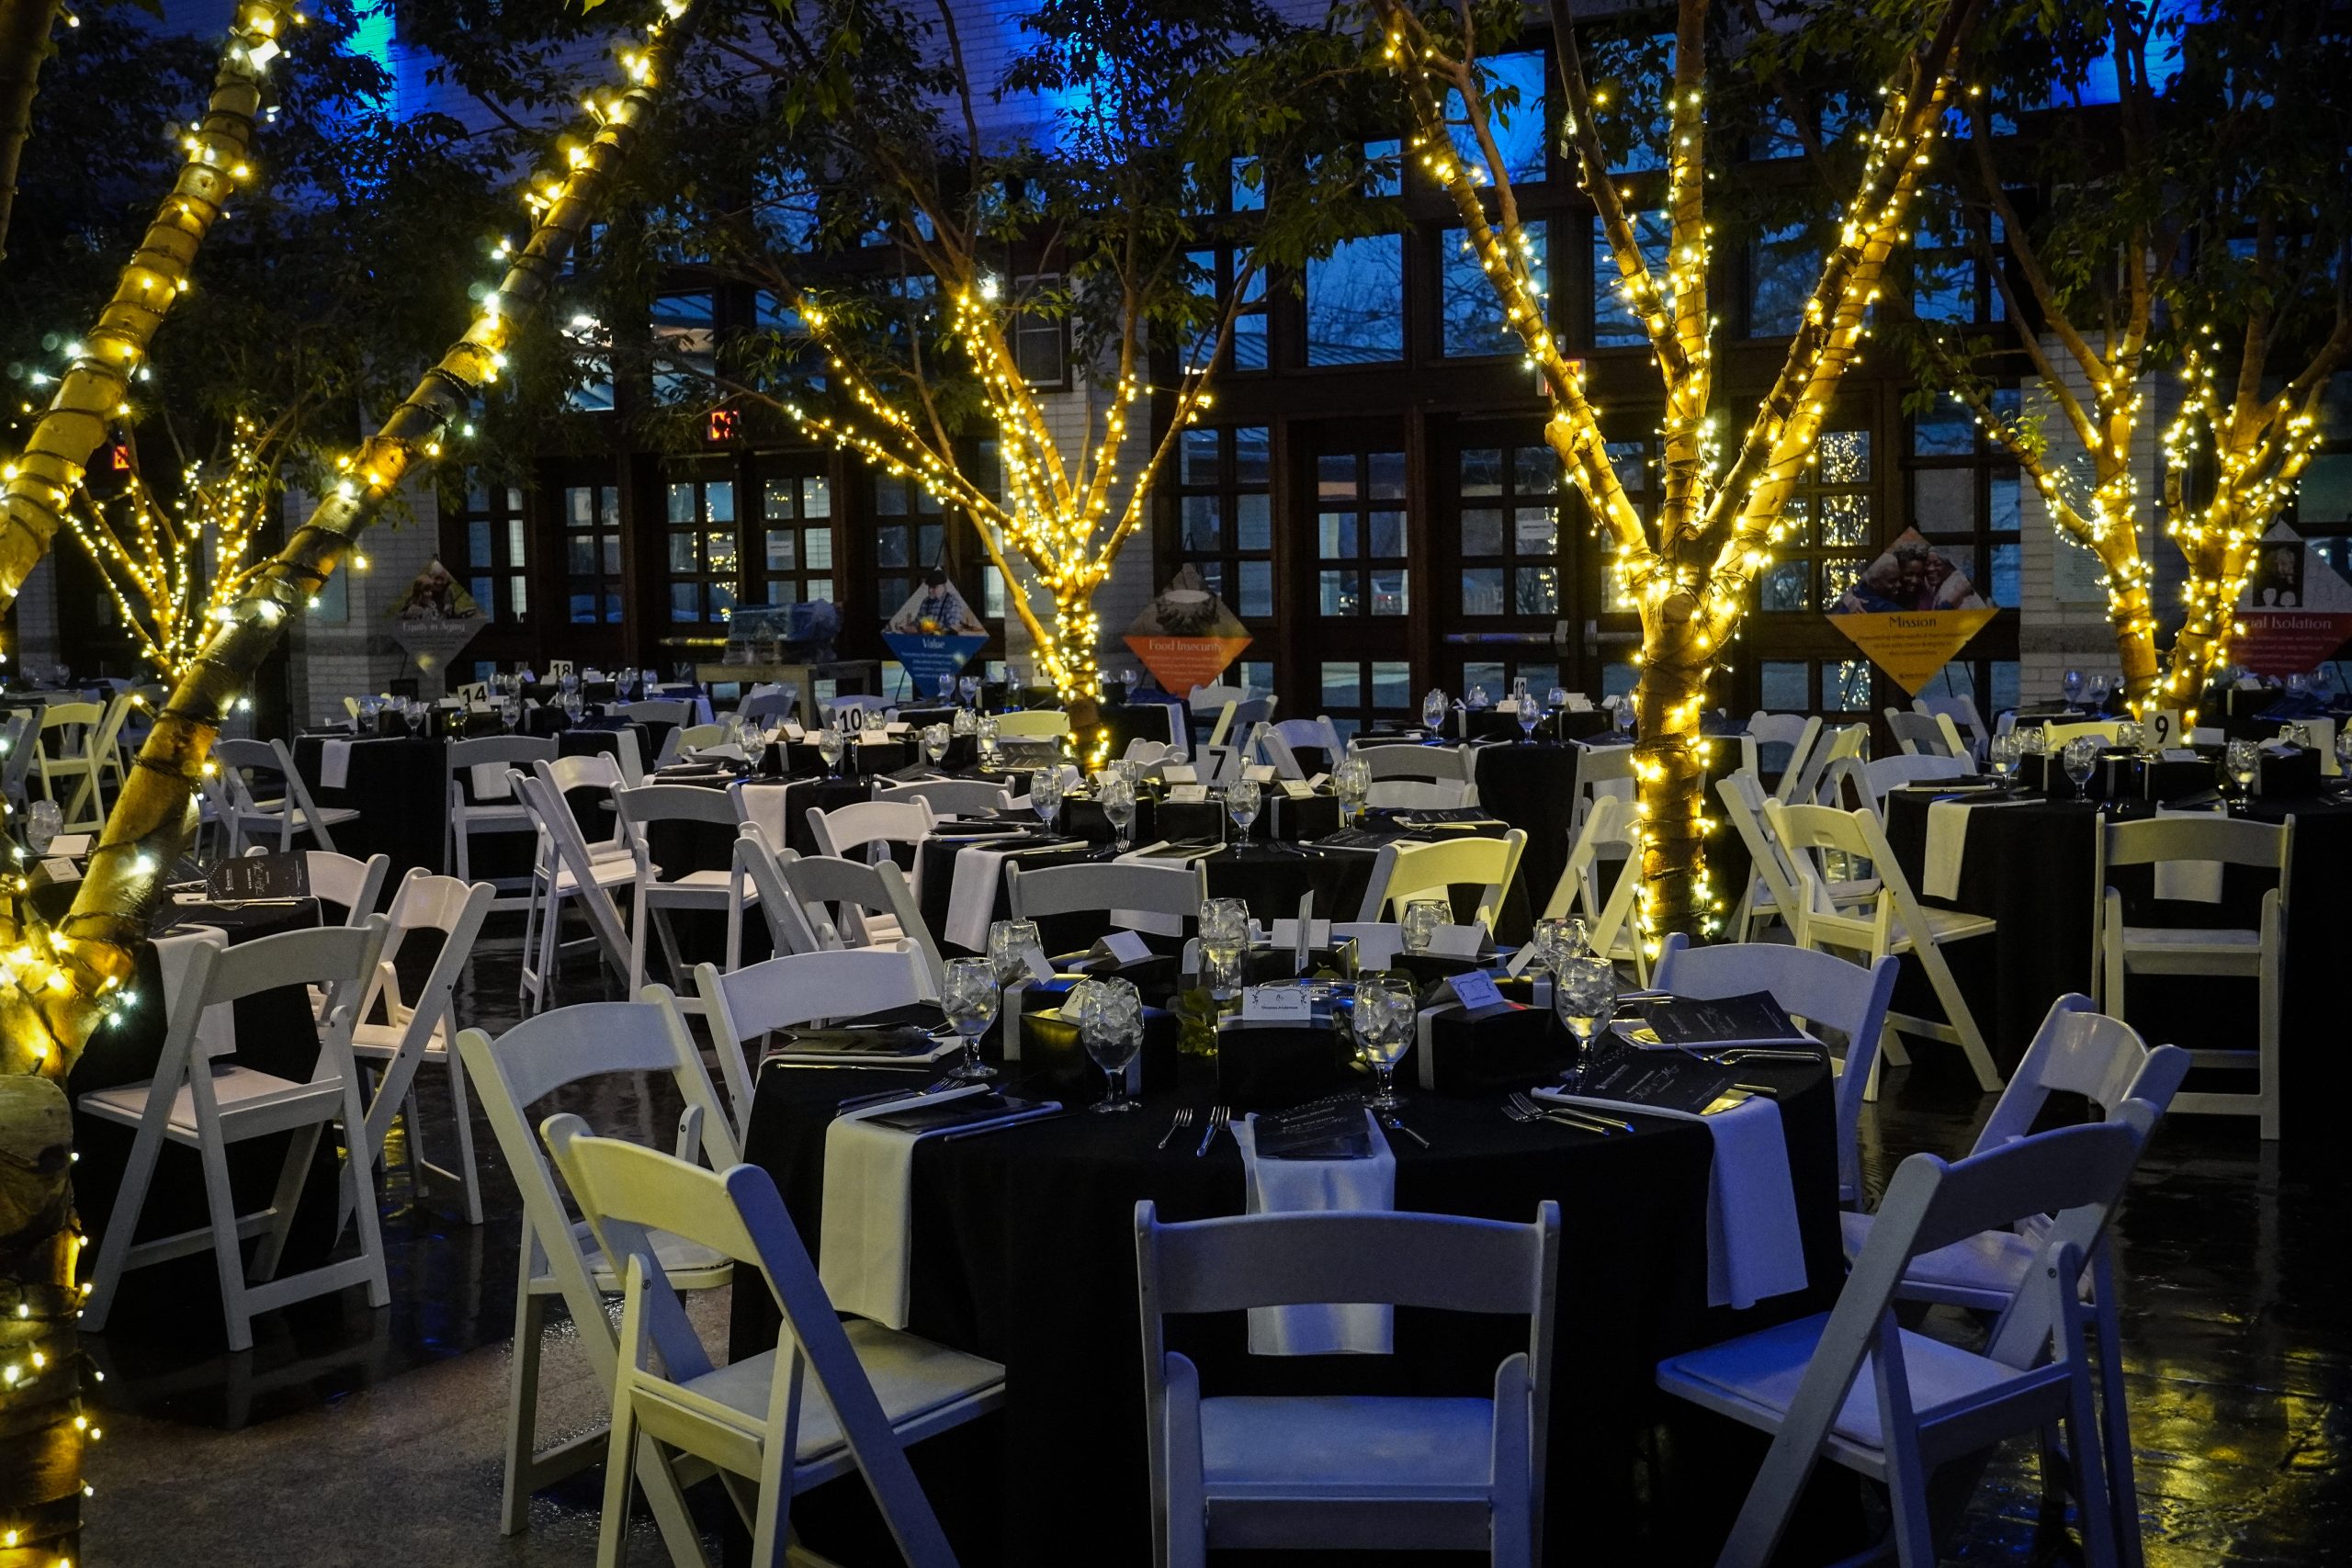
<point x="1383" y="1021"/>
<point x="1045" y="789"/>
<point x="1423" y="919"/>
<point x="970" y="999"/>
<point x="1477" y="701"/>
<point x="1523" y="702"/>
<point x="1243" y="800"/>
<point x="1110" y="1025"/>
<point x="936" y="738"/>
<point x="2079" y="758"/>
<point x="1584" y="994"/>
<point x="1351" y="782"/>
<point x="2003" y="755"/>
<point x="830" y="746"/>
<point x="2344" y="752"/>
<point x="2034" y="742"/>
<point x="1557" y="939"/>
<point x="987" y="734"/>
<point x="43" y="822"/>
<point x="970" y="688"/>
<point x="1623" y="717"/>
<point x="2101" y="686"/>
<point x="2242" y="760"/>
<point x="1010" y="943"/>
<point x="1433" y="708"/>
<point x="2131" y="736"/>
<point x="1117" y="798"/>
<point x="1129" y="679"/>
<point x="2073" y="683"/>
<point x="946" y="688"/>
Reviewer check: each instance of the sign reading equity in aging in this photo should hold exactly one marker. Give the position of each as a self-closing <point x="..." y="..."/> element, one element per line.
<point x="935" y="634"/>
<point x="435" y="617"/>
<point x="1186" y="636"/>
<point x="1911" y="610"/>
<point x="2296" y="610"/>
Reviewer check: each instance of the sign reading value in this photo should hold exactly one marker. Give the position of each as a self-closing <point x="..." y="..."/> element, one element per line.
<point x="1911" y="611"/>
<point x="935" y="634"/>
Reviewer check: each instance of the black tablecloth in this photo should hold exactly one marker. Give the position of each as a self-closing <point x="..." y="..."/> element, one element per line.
<point x="2030" y="868"/>
<point x="1022" y="1250"/>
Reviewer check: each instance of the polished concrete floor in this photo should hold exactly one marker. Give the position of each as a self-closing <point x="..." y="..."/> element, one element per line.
<point x="355" y="1437"/>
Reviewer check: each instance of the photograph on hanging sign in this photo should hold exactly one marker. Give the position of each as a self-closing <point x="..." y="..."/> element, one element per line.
<point x="934" y="633"/>
<point x="2296" y="610"/>
<point x="1911" y="611"/>
<point x="1186" y="636"/>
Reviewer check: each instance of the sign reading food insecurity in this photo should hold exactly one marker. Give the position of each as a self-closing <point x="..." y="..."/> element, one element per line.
<point x="1911" y="611"/>
<point x="1186" y="636"/>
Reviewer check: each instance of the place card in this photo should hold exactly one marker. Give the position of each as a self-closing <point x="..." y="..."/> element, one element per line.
<point x="1319" y="780"/>
<point x="1259" y="773"/>
<point x="1299" y="789"/>
<point x="1276" y="1004"/>
<point x="1126" y="946"/>
<point x="793" y="731"/>
<point x="1189" y="794"/>
<point x="1041" y="968"/>
<point x="896" y="727"/>
<point x="1521" y="960"/>
<point x="1180" y="774"/>
<point x="1475" y="990"/>
<point x="72" y="845"/>
<point x="59" y="869"/>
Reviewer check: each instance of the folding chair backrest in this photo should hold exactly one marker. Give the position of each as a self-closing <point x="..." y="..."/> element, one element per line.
<point x="952" y="796"/>
<point x="798" y="988"/>
<point x="354" y="884"/>
<point x="1175" y="890"/>
<point x="1403" y="871"/>
<point x="2200" y="835"/>
<point x="1419" y="794"/>
<point x="2079" y="1049"/>
<point x="1889" y="773"/>
<point x="1919" y="734"/>
<point x="75" y="718"/>
<point x="777" y="703"/>
<point x="1450" y="763"/>
<point x="1959" y="710"/>
<point x="1744" y="803"/>
<point x="627" y="1193"/>
<point x="828" y="881"/>
<point x="339" y="959"/>
<point x="1807" y="831"/>
<point x="648" y="804"/>
<point x="1606" y="835"/>
<point x="1034" y="724"/>
<point x="848" y="829"/>
<point x="761" y="865"/>
<point x="1318" y="732"/>
<point x="657" y="711"/>
<point x="595" y="771"/>
<point x="1440" y="1262"/>
<point x="502" y="752"/>
<point x="18" y="742"/>
<point x="1820" y="989"/>
<point x="1844" y="741"/>
<point x="1267" y="744"/>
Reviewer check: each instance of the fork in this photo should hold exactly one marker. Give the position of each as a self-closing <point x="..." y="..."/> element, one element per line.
<point x="1183" y="1120"/>
<point x="1218" y="1116"/>
<point x="1519" y="1108"/>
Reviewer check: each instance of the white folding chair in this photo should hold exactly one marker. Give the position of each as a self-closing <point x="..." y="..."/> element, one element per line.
<point x="2081" y="1051"/>
<point x="415" y="1032"/>
<point x="1820" y="991"/>
<point x="791" y="990"/>
<point x="354" y="884"/>
<point x="851" y="904"/>
<point x="2257" y="952"/>
<point x="1608" y="834"/>
<point x="1842" y="742"/>
<point x="559" y="1048"/>
<point x="1267" y="745"/>
<point x="571" y="873"/>
<point x="106" y="750"/>
<point x="66" y="752"/>
<point x="777" y="703"/>
<point x="1348" y="1472"/>
<point x="202" y="1099"/>
<point x="1318" y="732"/>
<point x="758" y="884"/>
<point x="1128" y="895"/>
<point x="1444" y="764"/>
<point x="711" y="890"/>
<point x="1032" y="724"/>
<point x="1601" y="771"/>
<point x="481" y="800"/>
<point x="1404" y="871"/>
<point x="20" y="748"/>
<point x="1924" y="734"/>
<point x="1960" y="710"/>
<point x="1894" y="923"/>
<point x="1777" y="887"/>
<point x="1850" y="1386"/>
<point x="1419" y="794"/>
<point x="1883" y="773"/>
<point x="951" y="798"/>
<point x="1797" y="731"/>
<point x="872" y="826"/>
<point x="878" y="1389"/>
<point x="256" y="814"/>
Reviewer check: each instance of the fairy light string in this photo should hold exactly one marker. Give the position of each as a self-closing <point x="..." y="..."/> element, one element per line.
<point x="1690" y="574"/>
<point x="93" y="389"/>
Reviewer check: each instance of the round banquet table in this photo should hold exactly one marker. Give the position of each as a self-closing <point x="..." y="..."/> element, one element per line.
<point x="2030" y="868"/>
<point x="1023" y="1247"/>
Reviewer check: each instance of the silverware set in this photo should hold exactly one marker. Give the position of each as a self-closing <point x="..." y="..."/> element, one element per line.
<point x="1737" y="1055"/>
<point x="1520" y="1107"/>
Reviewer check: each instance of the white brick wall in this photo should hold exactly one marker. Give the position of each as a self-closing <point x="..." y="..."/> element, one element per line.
<point x="329" y="660"/>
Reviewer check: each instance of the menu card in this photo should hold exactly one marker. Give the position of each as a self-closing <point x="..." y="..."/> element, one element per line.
<point x="963" y="1110"/>
<point x="246" y="878"/>
<point x="1673" y="1082"/>
<point x="1323" y="1129"/>
<point x="900" y="1042"/>
<point x="1754" y="1019"/>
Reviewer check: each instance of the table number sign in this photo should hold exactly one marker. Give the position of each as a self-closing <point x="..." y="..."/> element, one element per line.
<point x="2163" y="728"/>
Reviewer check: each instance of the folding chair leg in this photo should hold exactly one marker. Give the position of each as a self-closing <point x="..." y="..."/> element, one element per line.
<point x="298" y="1155"/>
<point x="468" y="1172"/>
<point x="679" y="976"/>
<point x="1956" y="1013"/>
<point x="359" y="1181"/>
<point x="227" y="1258"/>
<point x="2094" y="1506"/>
<point x="2115" y="1425"/>
<point x="122" y="1223"/>
<point x="620" y="1456"/>
<point x="522" y="1403"/>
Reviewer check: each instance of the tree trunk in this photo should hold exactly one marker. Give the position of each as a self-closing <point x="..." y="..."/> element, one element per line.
<point x="59" y="448"/>
<point x="1670" y="770"/>
<point x="24" y="44"/>
<point x="41" y="1374"/>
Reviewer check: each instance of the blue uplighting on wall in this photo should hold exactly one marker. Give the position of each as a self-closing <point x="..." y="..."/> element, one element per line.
<point x="372" y="35"/>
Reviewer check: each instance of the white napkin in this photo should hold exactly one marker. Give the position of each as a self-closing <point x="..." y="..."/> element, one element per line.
<point x="491" y="783"/>
<point x="2190" y="881"/>
<point x="335" y="763"/>
<point x="1753" y="1248"/>
<point x="863" y="1235"/>
<point x="971" y="898"/>
<point x="1319" y="1187"/>
<point x="1948" y="844"/>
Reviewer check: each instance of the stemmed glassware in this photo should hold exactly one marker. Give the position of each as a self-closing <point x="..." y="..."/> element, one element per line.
<point x="1423" y="919"/>
<point x="1559" y="938"/>
<point x="1523" y="702"/>
<point x="830" y="746"/>
<point x="1584" y="994"/>
<point x="1243" y="800"/>
<point x="1129" y="679"/>
<point x="987" y="734"/>
<point x="936" y="738"/>
<point x="970" y="999"/>
<point x="1110" y="1025"/>
<point x="1433" y="710"/>
<point x="2344" y="755"/>
<point x="2242" y="760"/>
<point x="1383" y="1021"/>
<point x="946" y="688"/>
<point x="1045" y="790"/>
<point x="2079" y="758"/>
<point x="2003" y="755"/>
<point x="1009" y="945"/>
<point x="1351" y="782"/>
<point x="1224" y="945"/>
<point x="1623" y="717"/>
<point x="970" y="688"/>
<point x="1117" y="798"/>
<point x="2073" y="683"/>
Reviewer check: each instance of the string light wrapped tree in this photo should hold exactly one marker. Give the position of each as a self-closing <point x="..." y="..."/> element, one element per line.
<point x="59" y="984"/>
<point x="1691" y="571"/>
<point x="25" y="28"/>
<point x="1097" y="227"/>
<point x="2204" y="197"/>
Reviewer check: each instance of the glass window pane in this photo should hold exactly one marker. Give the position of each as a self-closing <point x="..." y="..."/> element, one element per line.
<point x="1482" y="590"/>
<point x="1471" y="318"/>
<point x="930" y="544"/>
<point x="1386" y="534"/>
<point x="784" y="554"/>
<point x="478" y="544"/>
<point x="1248" y="345"/>
<point x="1386" y="470"/>
<point x="682" y="504"/>
<point x="519" y="595"/>
<point x="890" y="549"/>
<point x="1197" y="457"/>
<point x="1943" y="500"/>
<point x="1845" y="456"/>
<point x="1782" y="687"/>
<point x="1392" y="680"/>
<point x="1257" y="594"/>
<point x="1212" y="574"/>
<point x="1251" y="466"/>
<point x="580" y="556"/>
<point x="583" y="609"/>
<point x="1335" y="475"/>
<point x="681" y="553"/>
<point x="1336" y="532"/>
<point x="819" y="588"/>
<point x="1631" y="461"/>
<point x="481" y="589"/>
<point x="1342" y="685"/>
<point x="817" y="547"/>
<point x="579" y="507"/>
<point x="1614" y="326"/>
<point x="777" y="497"/>
<point x="1949" y="430"/>
<point x="517" y="543"/>
<point x="1534" y="470"/>
<point x="1535" y="531"/>
<point x="1846" y="685"/>
<point x="1845" y="520"/>
<point x="718" y="552"/>
<point x="1253" y="522"/>
<point x="1536" y="591"/>
<point x="816" y="496"/>
<point x="612" y="548"/>
<point x="2002" y="508"/>
<point x="1204" y="523"/>
<point x="2003" y="591"/>
<point x="1513" y="87"/>
<point x="718" y="500"/>
<point x="1785" y="268"/>
<point x="1487" y="674"/>
<point x="1392" y="592"/>
<point x="685" y="602"/>
<point x="1355" y="302"/>
<point x="1836" y="576"/>
<point x="1482" y="531"/>
<point x="1335" y="593"/>
<point x="890" y="497"/>
<point x="1785" y="587"/>
<point x="1482" y="470"/>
